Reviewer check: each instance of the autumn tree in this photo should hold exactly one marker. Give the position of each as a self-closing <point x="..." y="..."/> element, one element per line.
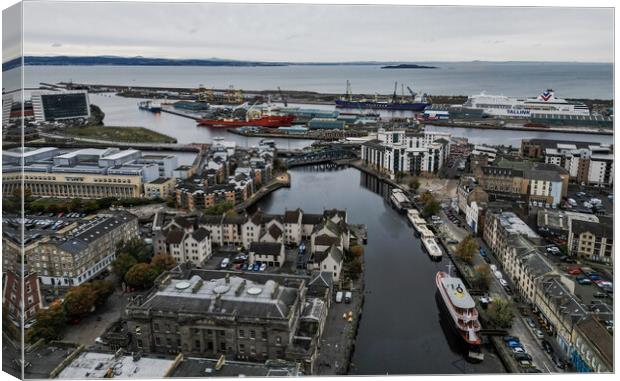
<point x="357" y="251"/>
<point x="141" y="275"/>
<point x="414" y="183"/>
<point x="49" y="323"/>
<point x="163" y="262"/>
<point x="80" y="301"/>
<point x="466" y="249"/>
<point x="123" y="263"/>
<point x="103" y="290"/>
<point x="482" y="277"/>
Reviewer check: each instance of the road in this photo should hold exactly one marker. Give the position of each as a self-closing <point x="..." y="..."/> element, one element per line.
<point x="519" y="327"/>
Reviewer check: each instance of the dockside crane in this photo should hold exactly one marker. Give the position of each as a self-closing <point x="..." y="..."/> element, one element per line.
<point x="394" y="96"/>
<point x="412" y="93"/>
<point x="282" y="97"/>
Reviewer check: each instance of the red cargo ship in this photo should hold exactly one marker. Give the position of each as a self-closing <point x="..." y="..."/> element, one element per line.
<point x="263" y="121"/>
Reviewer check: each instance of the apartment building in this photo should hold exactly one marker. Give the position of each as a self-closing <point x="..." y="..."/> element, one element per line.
<point x="16" y="286"/>
<point x="70" y="252"/>
<point x="500" y="227"/>
<point x="591" y="240"/>
<point x="409" y="152"/>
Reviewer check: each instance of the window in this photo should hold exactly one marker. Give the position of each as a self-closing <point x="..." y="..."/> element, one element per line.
<point x="241" y="333"/>
<point x="252" y="334"/>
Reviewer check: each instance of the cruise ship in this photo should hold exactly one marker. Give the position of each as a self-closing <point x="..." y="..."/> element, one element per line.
<point x="460" y="310"/>
<point x="507" y="107"/>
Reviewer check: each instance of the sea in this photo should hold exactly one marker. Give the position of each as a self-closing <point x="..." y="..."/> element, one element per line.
<point x="569" y="80"/>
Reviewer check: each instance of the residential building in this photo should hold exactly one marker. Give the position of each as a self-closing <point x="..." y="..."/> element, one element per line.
<point x="500" y="226"/>
<point x="161" y="187"/>
<point x="67" y="253"/>
<point x="14" y="288"/>
<point x="409" y="152"/>
<point x="270" y="253"/>
<point x="593" y="241"/>
<point x="592" y="347"/>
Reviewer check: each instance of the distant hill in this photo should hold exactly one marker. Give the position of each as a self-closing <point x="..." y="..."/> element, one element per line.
<point x="130" y="61"/>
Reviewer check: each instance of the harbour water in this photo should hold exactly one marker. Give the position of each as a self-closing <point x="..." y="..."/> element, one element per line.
<point x="401" y="329"/>
<point x="570" y="80"/>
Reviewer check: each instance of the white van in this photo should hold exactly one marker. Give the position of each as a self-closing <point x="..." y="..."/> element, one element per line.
<point x="347" y="297"/>
<point x="339" y="297"/>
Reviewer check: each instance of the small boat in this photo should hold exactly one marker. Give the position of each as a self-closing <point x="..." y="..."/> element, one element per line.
<point x="460" y="310"/>
<point x="432" y="248"/>
<point x="149" y="106"/>
<point x="399" y="200"/>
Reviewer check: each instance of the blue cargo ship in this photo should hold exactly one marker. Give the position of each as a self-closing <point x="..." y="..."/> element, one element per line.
<point x="415" y="103"/>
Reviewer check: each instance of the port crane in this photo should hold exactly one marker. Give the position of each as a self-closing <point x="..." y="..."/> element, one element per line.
<point x="394" y="96"/>
<point x="412" y="93"/>
<point x="283" y="97"/>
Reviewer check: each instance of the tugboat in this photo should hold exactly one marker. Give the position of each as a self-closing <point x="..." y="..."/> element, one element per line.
<point x="460" y="310"/>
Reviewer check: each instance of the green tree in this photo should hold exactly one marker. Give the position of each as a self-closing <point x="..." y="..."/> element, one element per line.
<point x="220" y="208"/>
<point x="414" y="183"/>
<point x="355" y="267"/>
<point x="501" y="313"/>
<point x="75" y="205"/>
<point x="466" y="249"/>
<point x="163" y="262"/>
<point x="141" y="275"/>
<point x="123" y="263"/>
<point x="171" y="201"/>
<point x="138" y="249"/>
<point x="49" y="323"/>
<point x="80" y="301"/>
<point x="103" y="290"/>
<point x="482" y="277"/>
<point x="431" y="207"/>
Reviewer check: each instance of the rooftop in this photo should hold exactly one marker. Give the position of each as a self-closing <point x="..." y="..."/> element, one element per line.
<point x="97" y="365"/>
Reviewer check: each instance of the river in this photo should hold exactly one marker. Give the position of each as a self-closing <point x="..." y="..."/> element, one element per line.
<point x="401" y="330"/>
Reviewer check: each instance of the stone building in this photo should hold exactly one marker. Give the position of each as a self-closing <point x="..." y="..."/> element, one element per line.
<point x="592" y="240"/>
<point x="250" y="317"/>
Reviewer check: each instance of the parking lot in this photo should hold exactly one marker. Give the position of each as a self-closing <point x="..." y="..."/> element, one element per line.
<point x="583" y="197"/>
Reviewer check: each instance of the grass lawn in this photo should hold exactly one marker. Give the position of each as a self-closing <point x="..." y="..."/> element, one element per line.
<point x="119" y="134"/>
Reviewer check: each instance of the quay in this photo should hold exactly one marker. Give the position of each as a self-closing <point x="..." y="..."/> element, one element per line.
<point x="488" y="126"/>
<point x="281" y="181"/>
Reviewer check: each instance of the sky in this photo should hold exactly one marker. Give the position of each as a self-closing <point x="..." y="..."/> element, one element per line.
<point x="318" y="33"/>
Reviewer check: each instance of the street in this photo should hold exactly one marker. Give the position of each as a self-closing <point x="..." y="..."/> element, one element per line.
<point x="519" y="328"/>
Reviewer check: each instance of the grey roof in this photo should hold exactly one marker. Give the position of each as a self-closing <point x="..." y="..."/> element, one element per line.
<point x="200" y="234"/>
<point x="325" y="240"/>
<point x="266" y="248"/>
<point x="375" y="144"/>
<point x="95" y="229"/>
<point x="599" y="336"/>
<point x="236" y="296"/>
<point x="321" y="279"/>
<point x="603" y="228"/>
<point x="332" y="251"/>
<point x="311" y="219"/>
<point x="211" y="219"/>
<point x="199" y="367"/>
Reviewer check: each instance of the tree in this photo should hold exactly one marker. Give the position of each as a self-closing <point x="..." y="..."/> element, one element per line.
<point x="431" y="207"/>
<point x="355" y="267"/>
<point x="414" y="183"/>
<point x="123" y="263"/>
<point x="171" y="201"/>
<point x="49" y="323"/>
<point x="482" y="277"/>
<point x="357" y="250"/>
<point x="219" y="208"/>
<point x="501" y="313"/>
<point x="163" y="262"/>
<point x="80" y="301"/>
<point x="103" y="289"/>
<point x="466" y="249"/>
<point x="138" y="249"/>
<point x="141" y="275"/>
<point x="75" y="205"/>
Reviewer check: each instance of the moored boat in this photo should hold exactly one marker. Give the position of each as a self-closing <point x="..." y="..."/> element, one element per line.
<point x="149" y="106"/>
<point x="263" y="121"/>
<point x="461" y="312"/>
<point x="399" y="200"/>
<point x="432" y="248"/>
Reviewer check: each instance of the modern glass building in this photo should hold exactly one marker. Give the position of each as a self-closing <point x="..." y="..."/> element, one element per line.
<point x="58" y="105"/>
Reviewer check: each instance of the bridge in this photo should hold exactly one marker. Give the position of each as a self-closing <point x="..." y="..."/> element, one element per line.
<point x="329" y="154"/>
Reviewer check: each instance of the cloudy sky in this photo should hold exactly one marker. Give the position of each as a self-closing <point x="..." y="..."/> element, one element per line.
<point x="318" y="32"/>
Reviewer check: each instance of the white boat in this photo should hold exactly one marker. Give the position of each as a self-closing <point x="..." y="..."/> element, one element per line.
<point x="399" y="200"/>
<point x="432" y="247"/>
<point x="509" y="107"/>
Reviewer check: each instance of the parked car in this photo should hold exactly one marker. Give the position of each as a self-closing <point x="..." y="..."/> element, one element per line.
<point x="510" y="338"/>
<point x="487" y="259"/>
<point x="574" y="270"/>
<point x="522" y="356"/>
<point x="514" y="344"/>
<point x="547" y="346"/>
<point x="503" y="282"/>
<point x="339" y="297"/>
<point x="347" y="297"/>
<point x="583" y="280"/>
<point x="559" y="362"/>
<point x="518" y="350"/>
<point x="601" y="295"/>
<point x="498" y="274"/>
<point x="525" y="364"/>
<point x="539" y="334"/>
<point x="531" y="323"/>
<point x="483" y="253"/>
<point x="263" y="267"/>
<point x="244" y="267"/>
<point x="225" y="262"/>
